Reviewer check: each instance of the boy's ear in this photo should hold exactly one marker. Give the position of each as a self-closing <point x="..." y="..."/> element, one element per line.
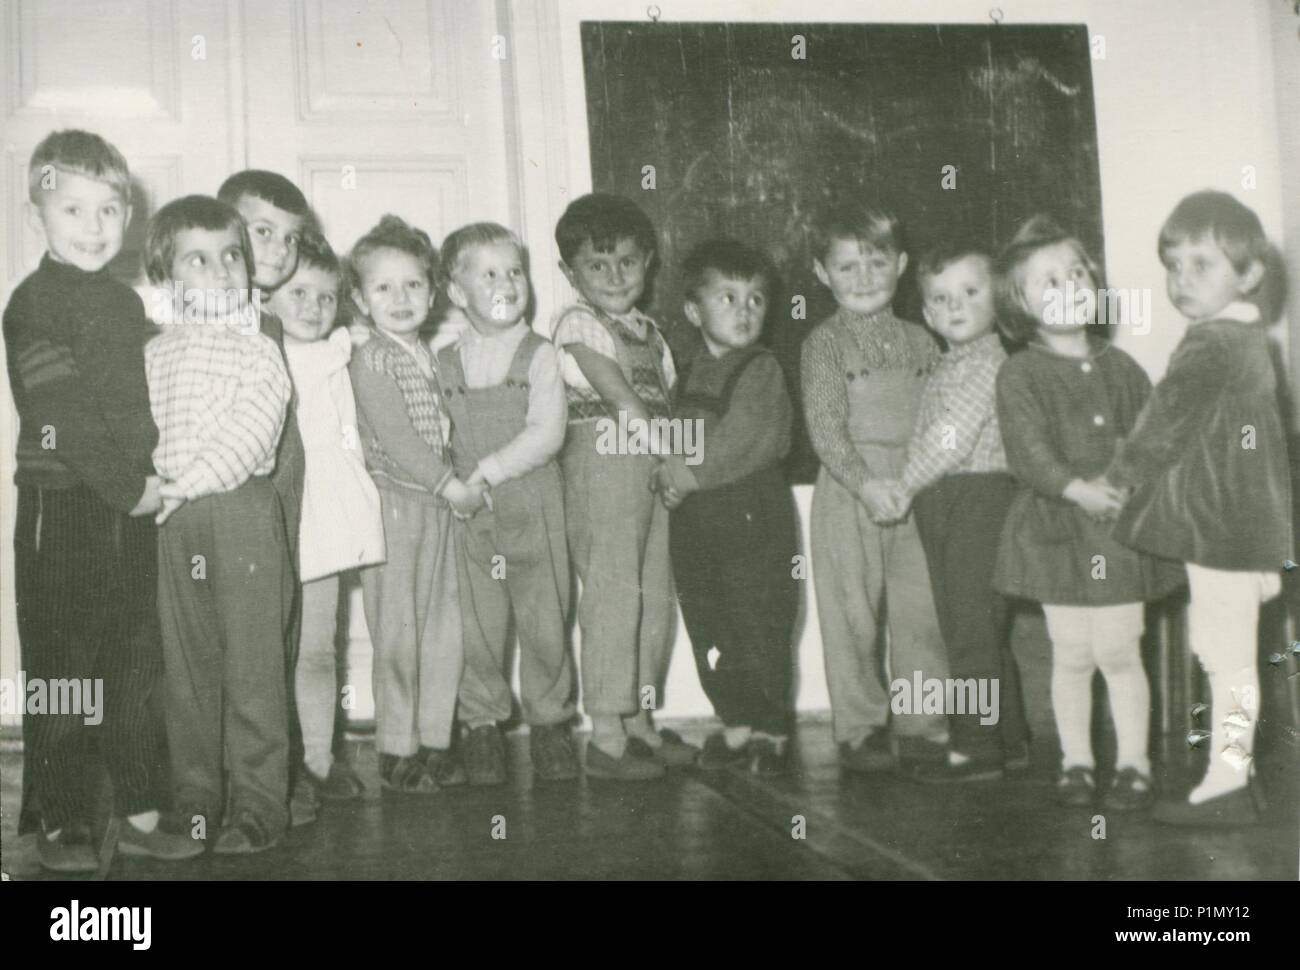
<point x="456" y="294"/>
<point x="822" y="275"/>
<point x="928" y="314"/>
<point x="902" y="263"/>
<point x="34" y="221"/>
<point x="359" y="301"/>
<point x="693" y="314"/>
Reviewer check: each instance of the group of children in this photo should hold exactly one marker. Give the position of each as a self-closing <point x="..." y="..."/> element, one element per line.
<point x="467" y="477"/>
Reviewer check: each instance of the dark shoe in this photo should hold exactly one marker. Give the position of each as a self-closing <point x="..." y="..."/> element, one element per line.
<point x="70" y="851"/>
<point x="719" y="756"/>
<point x="870" y="754"/>
<point x="1236" y="809"/>
<point x="766" y="758"/>
<point x="1077" y="787"/>
<point x="947" y="772"/>
<point x="551" y="749"/>
<point x="916" y="755"/>
<point x="243" y="835"/>
<point x="1015" y="758"/>
<point x="485" y="755"/>
<point x="633" y="766"/>
<point x="406" y="774"/>
<point x="342" y="784"/>
<point x="672" y="752"/>
<point x="1130" y="790"/>
<point x="444" y="765"/>
<point x="158" y="844"/>
<point x="304" y="803"/>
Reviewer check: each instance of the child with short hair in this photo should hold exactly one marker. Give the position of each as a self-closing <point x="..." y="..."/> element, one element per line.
<point x="218" y="390"/>
<point x="615" y="362"/>
<point x="341" y="525"/>
<point x="85" y="561"/>
<point x="275" y="212"/>
<point x="1208" y="460"/>
<point x="1064" y="404"/>
<point x="502" y="389"/>
<point x="863" y="373"/>
<point x="411" y="600"/>
<point x="956" y="479"/>
<point x="733" y="536"/>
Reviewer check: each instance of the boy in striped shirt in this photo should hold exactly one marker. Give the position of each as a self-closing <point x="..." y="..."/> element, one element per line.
<point x="218" y="389"/>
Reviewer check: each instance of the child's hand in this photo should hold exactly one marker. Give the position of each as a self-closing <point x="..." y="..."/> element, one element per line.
<point x="171" y="499"/>
<point x="465" y="499"/>
<point x="450" y="330"/>
<point x="899" y="502"/>
<point x="360" y="333"/>
<point x="877" y="496"/>
<point x="150" y="501"/>
<point x="1096" y="497"/>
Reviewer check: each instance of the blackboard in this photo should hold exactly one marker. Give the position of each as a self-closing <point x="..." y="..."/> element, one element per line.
<point x="749" y="140"/>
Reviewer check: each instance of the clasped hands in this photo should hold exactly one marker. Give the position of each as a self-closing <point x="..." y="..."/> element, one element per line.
<point x="886" y="500"/>
<point x="1097" y="497"/>
<point x="467" y="497"/>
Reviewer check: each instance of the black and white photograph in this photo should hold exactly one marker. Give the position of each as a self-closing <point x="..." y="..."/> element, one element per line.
<point x="802" y="441"/>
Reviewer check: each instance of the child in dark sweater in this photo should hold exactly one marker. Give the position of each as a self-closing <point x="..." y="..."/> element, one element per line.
<point x="732" y="536"/>
<point x="85" y="559"/>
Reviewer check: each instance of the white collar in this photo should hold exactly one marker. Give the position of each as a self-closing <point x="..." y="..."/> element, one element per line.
<point x="1240" y="311"/>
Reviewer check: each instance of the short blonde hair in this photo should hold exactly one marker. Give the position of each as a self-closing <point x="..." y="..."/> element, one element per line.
<point x="459" y="243"/>
<point x="80" y="153"/>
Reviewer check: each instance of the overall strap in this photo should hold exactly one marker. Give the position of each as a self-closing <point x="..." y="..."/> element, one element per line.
<point x="751" y="354"/>
<point x="523" y="357"/>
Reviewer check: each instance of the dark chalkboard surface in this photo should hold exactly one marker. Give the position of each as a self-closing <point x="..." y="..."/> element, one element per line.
<point x="749" y="141"/>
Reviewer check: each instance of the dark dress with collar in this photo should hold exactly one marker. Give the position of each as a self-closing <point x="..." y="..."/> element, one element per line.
<point x="1209" y="458"/>
<point x="1061" y="419"/>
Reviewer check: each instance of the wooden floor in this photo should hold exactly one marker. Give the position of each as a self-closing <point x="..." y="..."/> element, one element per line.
<point x="730" y="826"/>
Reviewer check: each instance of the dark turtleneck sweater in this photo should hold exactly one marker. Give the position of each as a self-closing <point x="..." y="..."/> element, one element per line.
<point x="75" y="346"/>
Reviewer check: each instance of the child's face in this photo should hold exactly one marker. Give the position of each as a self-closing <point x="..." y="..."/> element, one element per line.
<point x="490" y="286"/>
<point x="307" y="304"/>
<point x="612" y="281"/>
<point x="209" y="264"/>
<point x="395" y="292"/>
<point x="861" y="277"/>
<point x="1043" y="279"/>
<point x="83" y="220"/>
<point x="958" y="301"/>
<point x="1201" y="279"/>
<point x="729" y="312"/>
<point x="274" y="235"/>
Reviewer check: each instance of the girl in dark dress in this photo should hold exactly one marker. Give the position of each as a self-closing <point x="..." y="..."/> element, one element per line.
<point x="1064" y="403"/>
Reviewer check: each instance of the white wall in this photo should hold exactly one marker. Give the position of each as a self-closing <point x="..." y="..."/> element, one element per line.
<point x="1185" y="97"/>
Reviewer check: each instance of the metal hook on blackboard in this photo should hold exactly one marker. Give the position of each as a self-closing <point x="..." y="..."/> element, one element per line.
<point x="654" y="13"/>
<point x="995" y="15"/>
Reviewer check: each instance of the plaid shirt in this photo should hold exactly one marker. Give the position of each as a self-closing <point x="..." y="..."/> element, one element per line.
<point x="219" y="399"/>
<point x="957" y="426"/>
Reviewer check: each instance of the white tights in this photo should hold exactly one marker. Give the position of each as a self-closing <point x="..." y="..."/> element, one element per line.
<point x="1085" y="639"/>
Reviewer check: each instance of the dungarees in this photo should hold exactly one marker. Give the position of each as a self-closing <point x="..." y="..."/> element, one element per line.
<point x="618" y="538"/>
<point x="860" y="567"/>
<point x="512" y="557"/>
<point x="731" y="550"/>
